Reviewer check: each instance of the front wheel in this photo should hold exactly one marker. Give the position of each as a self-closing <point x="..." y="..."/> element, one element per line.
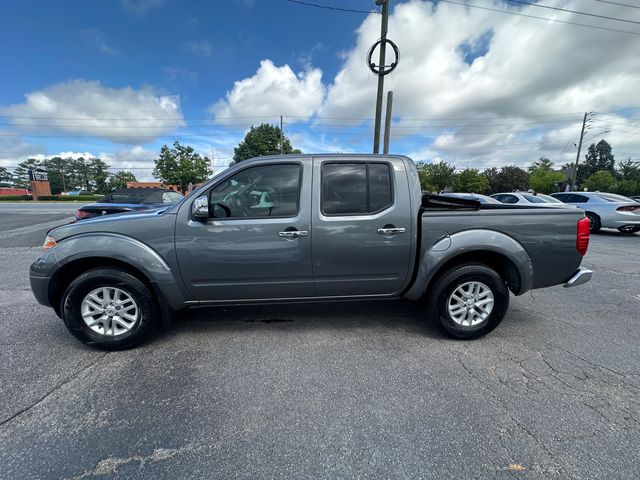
<point x="470" y="301"/>
<point x="109" y="309"/>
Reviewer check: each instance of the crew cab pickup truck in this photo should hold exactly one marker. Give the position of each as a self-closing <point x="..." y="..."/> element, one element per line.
<point x="302" y="228"/>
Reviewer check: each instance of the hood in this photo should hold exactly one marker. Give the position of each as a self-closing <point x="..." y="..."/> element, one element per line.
<point x="114" y="223"/>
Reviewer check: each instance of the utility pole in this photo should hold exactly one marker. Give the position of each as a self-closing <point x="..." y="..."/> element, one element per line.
<point x="575" y="165"/>
<point x="281" y="137"/>
<point x="64" y="188"/>
<point x="381" y="74"/>
<point x="387" y="122"/>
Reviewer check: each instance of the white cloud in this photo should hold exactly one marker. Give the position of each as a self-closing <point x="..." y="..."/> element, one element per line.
<point x="88" y="108"/>
<point x="199" y="48"/>
<point x="503" y="102"/>
<point x="273" y="91"/>
<point x="176" y="73"/>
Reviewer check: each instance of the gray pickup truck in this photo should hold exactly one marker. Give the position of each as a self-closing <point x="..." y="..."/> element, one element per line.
<point x="301" y="228"/>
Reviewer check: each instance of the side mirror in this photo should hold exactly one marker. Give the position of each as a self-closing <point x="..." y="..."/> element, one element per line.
<point x="200" y="208"/>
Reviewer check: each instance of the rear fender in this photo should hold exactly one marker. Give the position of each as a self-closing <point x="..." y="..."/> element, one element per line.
<point x="463" y="244"/>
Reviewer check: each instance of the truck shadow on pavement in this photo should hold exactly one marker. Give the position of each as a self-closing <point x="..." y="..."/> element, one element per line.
<point x="368" y="315"/>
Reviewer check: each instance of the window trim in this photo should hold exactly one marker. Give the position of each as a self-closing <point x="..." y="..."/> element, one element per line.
<point x="368" y="212"/>
<point x="262" y="217"/>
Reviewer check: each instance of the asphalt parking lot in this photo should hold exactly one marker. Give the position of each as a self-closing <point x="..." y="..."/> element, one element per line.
<point x="341" y="390"/>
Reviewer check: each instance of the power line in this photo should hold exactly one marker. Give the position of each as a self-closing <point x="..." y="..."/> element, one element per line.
<point x="470" y="5"/>
<point x="617" y="3"/>
<point x="328" y="7"/>
<point x="586" y="14"/>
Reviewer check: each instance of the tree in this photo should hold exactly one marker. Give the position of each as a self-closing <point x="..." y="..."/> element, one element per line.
<point x="601" y="181"/>
<point x="99" y="171"/>
<point x="120" y="180"/>
<point x="470" y="180"/>
<point x="435" y="177"/>
<point x="544" y="181"/>
<point x="598" y="157"/>
<point x="6" y="179"/>
<point x="629" y="170"/>
<point x="508" y="179"/>
<point x="181" y="165"/>
<point x="55" y="167"/>
<point x="261" y="140"/>
<point x="543" y="164"/>
<point x="21" y="173"/>
<point x="626" y="187"/>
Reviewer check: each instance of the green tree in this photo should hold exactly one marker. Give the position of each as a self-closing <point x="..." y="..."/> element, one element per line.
<point x="508" y="179"/>
<point x="55" y="167"/>
<point x="181" y="165"/>
<point x="435" y="177"/>
<point x="21" y="172"/>
<point x="99" y="171"/>
<point x="543" y="164"/>
<point x="261" y="140"/>
<point x="470" y="180"/>
<point x="6" y="178"/>
<point x="629" y="170"/>
<point x="601" y="181"/>
<point x="599" y="157"/>
<point x="544" y="181"/>
<point x="626" y="187"/>
<point x="120" y="180"/>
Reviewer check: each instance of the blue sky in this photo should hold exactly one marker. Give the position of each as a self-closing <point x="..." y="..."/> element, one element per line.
<point x="474" y="87"/>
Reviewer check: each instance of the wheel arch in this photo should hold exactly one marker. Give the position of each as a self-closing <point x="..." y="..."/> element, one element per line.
<point x="493" y="249"/>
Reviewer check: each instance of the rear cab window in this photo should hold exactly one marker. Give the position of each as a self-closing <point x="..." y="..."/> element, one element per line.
<point x="358" y="188"/>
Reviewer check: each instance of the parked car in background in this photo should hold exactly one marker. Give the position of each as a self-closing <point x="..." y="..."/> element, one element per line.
<point x="478" y="197"/>
<point x="635" y="198"/>
<point x="128" y="200"/>
<point x="606" y="210"/>
<point x="531" y="199"/>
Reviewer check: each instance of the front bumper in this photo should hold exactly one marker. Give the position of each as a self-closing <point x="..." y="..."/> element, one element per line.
<point x="40" y="289"/>
<point x="579" y="277"/>
<point x="40" y="275"/>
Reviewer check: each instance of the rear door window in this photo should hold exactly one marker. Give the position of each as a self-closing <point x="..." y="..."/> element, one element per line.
<point x="355" y="188"/>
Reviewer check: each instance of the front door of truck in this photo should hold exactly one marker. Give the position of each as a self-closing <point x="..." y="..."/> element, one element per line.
<point x="256" y="243"/>
<point x="362" y="226"/>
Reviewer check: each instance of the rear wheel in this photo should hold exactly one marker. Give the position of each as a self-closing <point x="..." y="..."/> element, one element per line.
<point x="470" y="301"/>
<point x="109" y="309"/>
<point x="594" y="222"/>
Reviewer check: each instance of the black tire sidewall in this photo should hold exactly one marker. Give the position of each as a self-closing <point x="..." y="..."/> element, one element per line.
<point x="85" y="283"/>
<point x="455" y="277"/>
<point x="594" y="222"/>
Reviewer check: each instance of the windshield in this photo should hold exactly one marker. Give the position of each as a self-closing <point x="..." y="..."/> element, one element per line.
<point x="534" y="198"/>
<point x="548" y="198"/>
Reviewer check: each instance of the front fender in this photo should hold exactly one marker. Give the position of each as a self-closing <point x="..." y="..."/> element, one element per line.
<point x="128" y="250"/>
<point x="464" y="243"/>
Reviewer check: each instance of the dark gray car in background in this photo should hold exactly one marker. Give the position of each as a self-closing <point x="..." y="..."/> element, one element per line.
<point x="302" y="228"/>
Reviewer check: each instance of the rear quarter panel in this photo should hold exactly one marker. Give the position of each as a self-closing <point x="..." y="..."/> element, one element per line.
<point x="541" y="242"/>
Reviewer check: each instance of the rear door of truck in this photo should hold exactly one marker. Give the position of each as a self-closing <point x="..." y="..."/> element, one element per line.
<point x="362" y="226"/>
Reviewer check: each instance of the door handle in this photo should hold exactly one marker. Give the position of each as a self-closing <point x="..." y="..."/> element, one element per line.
<point x="293" y="233"/>
<point x="391" y="230"/>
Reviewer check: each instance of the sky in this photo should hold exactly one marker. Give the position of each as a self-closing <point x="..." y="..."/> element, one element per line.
<point x="479" y="83"/>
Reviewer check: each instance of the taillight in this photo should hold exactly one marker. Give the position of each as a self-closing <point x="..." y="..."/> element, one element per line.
<point x="80" y="214"/>
<point x="628" y="208"/>
<point x="582" y="239"/>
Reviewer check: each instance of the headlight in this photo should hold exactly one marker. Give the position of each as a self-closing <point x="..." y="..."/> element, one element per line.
<point x="49" y="242"/>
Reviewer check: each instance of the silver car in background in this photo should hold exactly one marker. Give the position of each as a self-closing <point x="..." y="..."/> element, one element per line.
<point x="530" y="199"/>
<point x="606" y="210"/>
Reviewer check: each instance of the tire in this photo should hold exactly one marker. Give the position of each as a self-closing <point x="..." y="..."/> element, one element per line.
<point x="465" y="277"/>
<point x="594" y="222"/>
<point x="126" y="296"/>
